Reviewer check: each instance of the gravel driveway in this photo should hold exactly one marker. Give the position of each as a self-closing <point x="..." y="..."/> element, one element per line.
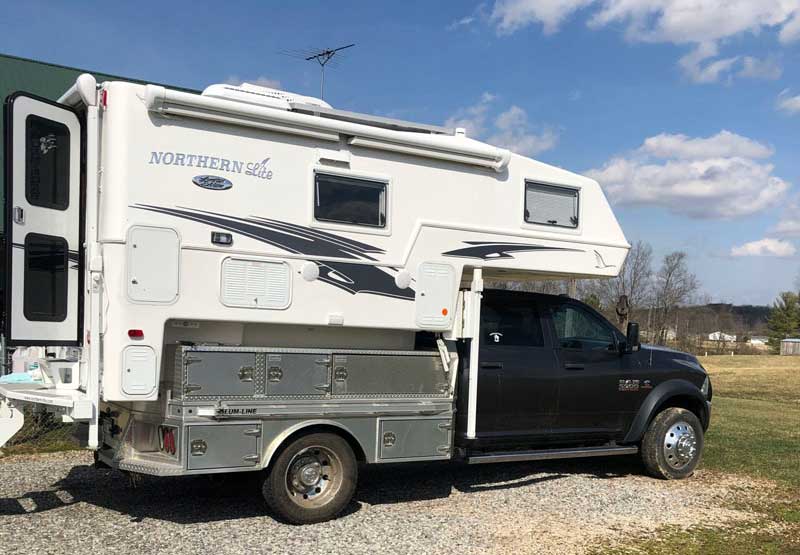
<point x="59" y="503"/>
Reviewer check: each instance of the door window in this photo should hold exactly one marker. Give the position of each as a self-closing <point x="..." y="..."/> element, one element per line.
<point x="46" y="163"/>
<point x="46" y="263"/>
<point x="511" y="325"/>
<point x="577" y="328"/>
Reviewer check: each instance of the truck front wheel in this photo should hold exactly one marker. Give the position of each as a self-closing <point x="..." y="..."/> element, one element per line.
<point x="312" y="480"/>
<point x="672" y="446"/>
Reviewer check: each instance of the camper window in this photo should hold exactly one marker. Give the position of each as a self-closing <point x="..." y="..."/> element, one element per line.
<point x="46" y="163"/>
<point x="347" y="200"/>
<point x="551" y="205"/>
<point x="45" y="279"/>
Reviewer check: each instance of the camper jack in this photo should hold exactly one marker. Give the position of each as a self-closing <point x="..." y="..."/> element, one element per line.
<point x="250" y="280"/>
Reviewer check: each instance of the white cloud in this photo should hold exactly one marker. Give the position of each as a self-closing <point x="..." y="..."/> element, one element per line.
<point x="722" y="145"/>
<point x="702" y="23"/>
<point x="713" y="177"/>
<point x="260" y="81"/>
<point x="790" y="32"/>
<point x="507" y="129"/>
<point x="511" y="15"/>
<point x="463" y="22"/>
<point x="700" y="66"/>
<point x="512" y="131"/>
<point x="765" y="247"/>
<point x="789" y="224"/>
<point x="755" y="68"/>
<point x="473" y="118"/>
<point x="788" y="103"/>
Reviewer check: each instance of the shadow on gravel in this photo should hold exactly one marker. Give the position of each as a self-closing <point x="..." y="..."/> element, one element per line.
<point x="198" y="499"/>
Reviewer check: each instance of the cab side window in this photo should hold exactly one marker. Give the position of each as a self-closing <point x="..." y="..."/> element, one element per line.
<point x="511" y="325"/>
<point x="577" y="328"/>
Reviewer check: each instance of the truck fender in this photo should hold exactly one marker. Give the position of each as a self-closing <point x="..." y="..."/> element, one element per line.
<point x="660" y="394"/>
<point x="273" y="446"/>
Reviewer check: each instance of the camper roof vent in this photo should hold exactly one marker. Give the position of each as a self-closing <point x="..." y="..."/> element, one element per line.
<point x="262" y="96"/>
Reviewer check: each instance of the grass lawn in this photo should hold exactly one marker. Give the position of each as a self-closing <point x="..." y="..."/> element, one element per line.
<point x="755" y="432"/>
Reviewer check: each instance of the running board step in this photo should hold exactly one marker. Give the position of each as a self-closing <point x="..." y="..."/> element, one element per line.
<point x="545" y="454"/>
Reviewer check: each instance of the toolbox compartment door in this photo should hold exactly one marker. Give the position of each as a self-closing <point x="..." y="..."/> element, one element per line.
<point x="298" y="374"/>
<point x="223" y="446"/>
<point x="377" y="375"/>
<point x="415" y="438"/>
<point x="219" y="374"/>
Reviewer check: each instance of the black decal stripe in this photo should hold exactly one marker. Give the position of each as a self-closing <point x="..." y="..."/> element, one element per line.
<point x="349" y="245"/>
<point x="348" y="276"/>
<point x="72" y="256"/>
<point x="362" y="278"/>
<point x="357" y="245"/>
<point x="496" y="251"/>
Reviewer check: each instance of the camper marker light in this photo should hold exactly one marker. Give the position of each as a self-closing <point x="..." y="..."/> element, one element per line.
<point x="104" y="98"/>
<point x="136" y="334"/>
<point x="444" y="312"/>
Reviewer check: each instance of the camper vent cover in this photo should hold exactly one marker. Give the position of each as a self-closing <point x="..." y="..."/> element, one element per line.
<point x="255" y="284"/>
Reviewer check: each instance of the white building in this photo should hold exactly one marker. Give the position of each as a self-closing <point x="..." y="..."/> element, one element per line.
<point x="720" y="336"/>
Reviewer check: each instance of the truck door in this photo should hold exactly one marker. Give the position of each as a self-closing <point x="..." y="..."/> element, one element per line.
<point x="590" y="367"/>
<point x="514" y="355"/>
<point x="42" y="259"/>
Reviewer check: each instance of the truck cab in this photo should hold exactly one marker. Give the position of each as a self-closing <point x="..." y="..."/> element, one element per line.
<point x="556" y="375"/>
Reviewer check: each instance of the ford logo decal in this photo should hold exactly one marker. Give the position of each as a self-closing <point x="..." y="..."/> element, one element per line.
<point x="212" y="182"/>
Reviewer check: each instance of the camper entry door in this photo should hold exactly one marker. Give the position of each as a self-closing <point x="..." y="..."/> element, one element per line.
<point x="42" y="262"/>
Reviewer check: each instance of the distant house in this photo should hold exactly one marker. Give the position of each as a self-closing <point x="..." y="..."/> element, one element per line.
<point x="790" y="347"/>
<point x="758" y="340"/>
<point x="720" y="336"/>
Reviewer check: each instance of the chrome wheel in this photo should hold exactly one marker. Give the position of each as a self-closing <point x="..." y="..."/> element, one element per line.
<point x="680" y="445"/>
<point x="314" y="477"/>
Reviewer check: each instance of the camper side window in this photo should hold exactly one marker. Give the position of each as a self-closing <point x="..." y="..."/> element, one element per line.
<point x="347" y="200"/>
<point x="46" y="163"/>
<point x="551" y="205"/>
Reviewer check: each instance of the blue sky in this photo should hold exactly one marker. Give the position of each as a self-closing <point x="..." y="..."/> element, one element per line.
<point x="687" y="111"/>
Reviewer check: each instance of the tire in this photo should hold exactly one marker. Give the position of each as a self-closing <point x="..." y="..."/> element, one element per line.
<point x="312" y="479"/>
<point x="673" y="444"/>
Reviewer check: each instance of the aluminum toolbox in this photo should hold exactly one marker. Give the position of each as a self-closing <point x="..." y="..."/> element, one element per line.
<point x="298" y="374"/>
<point x="220" y="374"/>
<point x="207" y="373"/>
<point x="211" y="446"/>
<point x="415" y="438"/>
<point x="369" y="375"/>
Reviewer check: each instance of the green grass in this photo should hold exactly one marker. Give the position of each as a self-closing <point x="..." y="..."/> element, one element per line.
<point x="755" y="438"/>
<point x="755" y="432"/>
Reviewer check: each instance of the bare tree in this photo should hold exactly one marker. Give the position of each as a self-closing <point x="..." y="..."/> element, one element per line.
<point x="674" y="286"/>
<point x="634" y="282"/>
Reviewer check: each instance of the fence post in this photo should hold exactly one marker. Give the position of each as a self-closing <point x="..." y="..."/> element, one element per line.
<point x="4" y="364"/>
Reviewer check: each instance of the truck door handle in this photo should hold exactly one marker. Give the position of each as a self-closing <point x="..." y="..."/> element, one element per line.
<point x="572" y="366"/>
<point x="492" y="365"/>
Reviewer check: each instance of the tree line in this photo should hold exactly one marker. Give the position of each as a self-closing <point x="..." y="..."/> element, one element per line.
<point x="784" y="318"/>
<point x="664" y="296"/>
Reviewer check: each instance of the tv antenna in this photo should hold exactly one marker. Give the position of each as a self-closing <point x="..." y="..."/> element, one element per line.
<point x="323" y="56"/>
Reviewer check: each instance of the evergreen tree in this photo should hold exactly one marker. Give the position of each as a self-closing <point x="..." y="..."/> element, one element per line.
<point x="784" y="319"/>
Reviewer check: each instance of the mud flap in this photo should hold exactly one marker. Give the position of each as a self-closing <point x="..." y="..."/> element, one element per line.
<point x="11" y="421"/>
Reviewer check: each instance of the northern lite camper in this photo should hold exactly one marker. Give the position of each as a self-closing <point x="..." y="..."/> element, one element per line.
<point x="251" y="280"/>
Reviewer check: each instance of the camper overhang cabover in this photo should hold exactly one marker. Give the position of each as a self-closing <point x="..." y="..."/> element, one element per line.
<point x="241" y="271"/>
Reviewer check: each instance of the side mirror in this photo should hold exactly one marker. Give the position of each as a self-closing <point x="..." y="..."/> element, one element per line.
<point x="632" y="338"/>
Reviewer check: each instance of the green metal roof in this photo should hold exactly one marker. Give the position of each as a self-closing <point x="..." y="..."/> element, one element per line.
<point x="47" y="80"/>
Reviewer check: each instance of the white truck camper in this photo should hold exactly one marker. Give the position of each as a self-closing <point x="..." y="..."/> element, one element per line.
<point x="248" y="279"/>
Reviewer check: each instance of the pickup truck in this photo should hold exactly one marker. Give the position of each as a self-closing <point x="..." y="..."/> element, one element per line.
<point x="556" y="380"/>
